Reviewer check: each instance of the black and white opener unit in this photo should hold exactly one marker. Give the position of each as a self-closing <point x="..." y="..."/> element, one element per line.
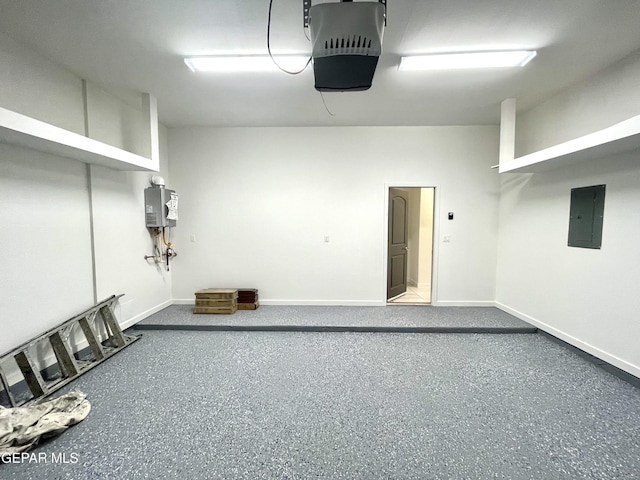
<point x="347" y="42"/>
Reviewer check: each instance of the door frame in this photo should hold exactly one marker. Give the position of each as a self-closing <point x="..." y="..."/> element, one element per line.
<point x="436" y="230"/>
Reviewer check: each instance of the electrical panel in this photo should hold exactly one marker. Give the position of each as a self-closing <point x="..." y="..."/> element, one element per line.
<point x="161" y="207"/>
<point x="586" y="214"/>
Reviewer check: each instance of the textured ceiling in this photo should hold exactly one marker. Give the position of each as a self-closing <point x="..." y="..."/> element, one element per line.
<point x="139" y="45"/>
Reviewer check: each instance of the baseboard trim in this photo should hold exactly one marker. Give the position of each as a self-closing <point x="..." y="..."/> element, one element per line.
<point x="463" y="303"/>
<point x="336" y="328"/>
<point x="186" y="301"/>
<point x="578" y="344"/>
<point x="327" y="303"/>
<point x="50" y="361"/>
<point x="147" y="313"/>
<point x="351" y="303"/>
<point x="311" y="303"/>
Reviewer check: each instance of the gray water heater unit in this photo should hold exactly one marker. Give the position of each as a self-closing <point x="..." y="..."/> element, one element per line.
<point x="161" y="206"/>
<point x="347" y="42"/>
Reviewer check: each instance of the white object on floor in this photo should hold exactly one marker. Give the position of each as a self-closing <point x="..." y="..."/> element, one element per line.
<point x="21" y="428"/>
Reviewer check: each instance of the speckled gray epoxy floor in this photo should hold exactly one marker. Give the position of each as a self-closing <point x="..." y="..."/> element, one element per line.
<point x="390" y="316"/>
<point x="264" y="405"/>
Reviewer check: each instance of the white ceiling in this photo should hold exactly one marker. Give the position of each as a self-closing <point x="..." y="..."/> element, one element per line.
<point x="140" y="44"/>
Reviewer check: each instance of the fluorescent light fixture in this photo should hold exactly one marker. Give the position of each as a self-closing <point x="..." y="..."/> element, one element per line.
<point x="245" y="63"/>
<point x="449" y="61"/>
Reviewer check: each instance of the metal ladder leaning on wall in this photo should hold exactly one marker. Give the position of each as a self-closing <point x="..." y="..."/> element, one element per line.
<point x="103" y="334"/>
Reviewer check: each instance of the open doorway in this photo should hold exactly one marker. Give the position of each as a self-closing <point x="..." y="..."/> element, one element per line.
<point x="410" y="245"/>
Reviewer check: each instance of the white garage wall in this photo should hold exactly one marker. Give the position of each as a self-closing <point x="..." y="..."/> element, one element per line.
<point x="260" y="201"/>
<point x="35" y="86"/>
<point x="46" y="243"/>
<point x="113" y="121"/>
<point x="122" y="240"/>
<point x="47" y="273"/>
<point x="47" y="202"/>
<point x="602" y="100"/>
<point x="584" y="296"/>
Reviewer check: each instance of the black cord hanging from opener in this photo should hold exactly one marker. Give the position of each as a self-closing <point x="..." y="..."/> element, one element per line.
<point x="325" y="105"/>
<point x="269" y="47"/>
<point x="287" y="71"/>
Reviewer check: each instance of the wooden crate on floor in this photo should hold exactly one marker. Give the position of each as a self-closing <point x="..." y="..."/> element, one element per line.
<point x="210" y="302"/>
<point x="248" y="299"/>
<point x="216" y="301"/>
<point x="248" y="306"/>
<point x="216" y="310"/>
<point x="247" y="295"/>
<point x="217" y="293"/>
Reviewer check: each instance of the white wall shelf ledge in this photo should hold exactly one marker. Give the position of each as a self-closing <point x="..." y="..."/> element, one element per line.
<point x="619" y="138"/>
<point x="24" y="131"/>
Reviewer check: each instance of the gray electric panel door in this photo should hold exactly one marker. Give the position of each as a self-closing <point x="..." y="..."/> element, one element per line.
<point x="586" y="216"/>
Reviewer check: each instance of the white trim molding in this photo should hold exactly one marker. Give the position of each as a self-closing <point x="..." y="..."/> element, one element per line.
<point x="464" y="303"/>
<point x="147" y="313"/>
<point x="596" y="352"/>
<point x="325" y="303"/>
<point x="310" y="303"/>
